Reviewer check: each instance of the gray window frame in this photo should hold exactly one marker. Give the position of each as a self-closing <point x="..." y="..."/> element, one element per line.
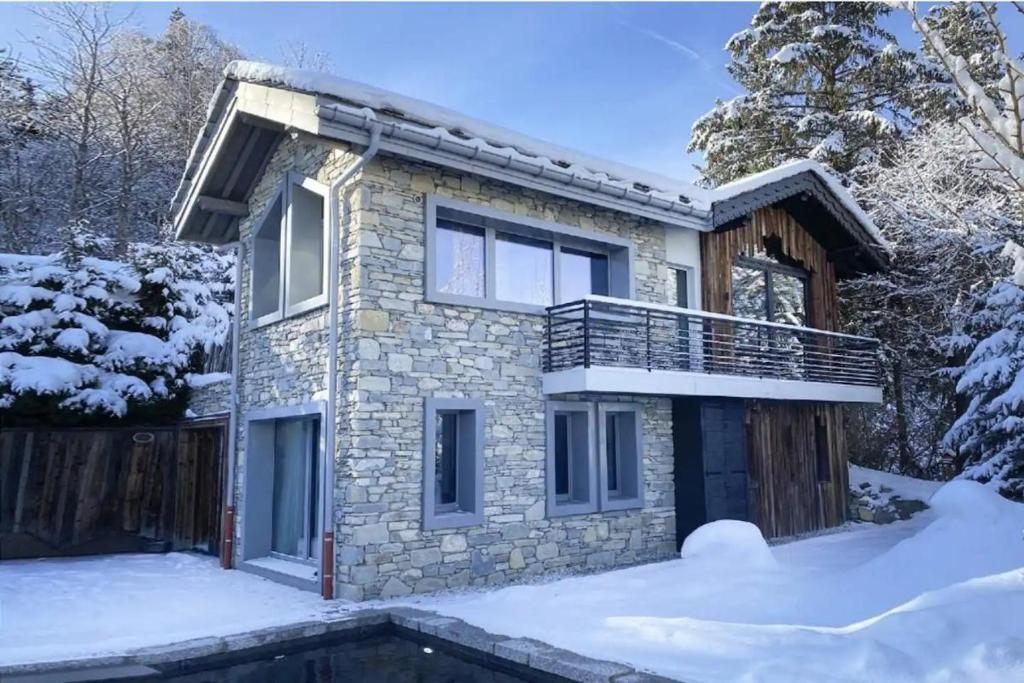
<point x="620" y="252"/>
<point x="607" y="501"/>
<point x="434" y="516"/>
<point x="284" y="309"/>
<point x="555" y="506"/>
<point x="259" y="480"/>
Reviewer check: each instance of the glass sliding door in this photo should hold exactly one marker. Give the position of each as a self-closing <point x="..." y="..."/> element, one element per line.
<point x="294" y="528"/>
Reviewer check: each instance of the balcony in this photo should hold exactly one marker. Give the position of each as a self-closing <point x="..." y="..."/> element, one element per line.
<point x="602" y="344"/>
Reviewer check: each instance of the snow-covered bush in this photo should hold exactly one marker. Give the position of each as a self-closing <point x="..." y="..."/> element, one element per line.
<point x="989" y="434"/>
<point x="83" y="336"/>
<point x="728" y="544"/>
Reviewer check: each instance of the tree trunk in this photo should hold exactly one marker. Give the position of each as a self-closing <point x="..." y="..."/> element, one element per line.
<point x="899" y="401"/>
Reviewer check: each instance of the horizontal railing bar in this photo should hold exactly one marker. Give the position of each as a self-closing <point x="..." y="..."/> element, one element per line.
<point x="630" y="304"/>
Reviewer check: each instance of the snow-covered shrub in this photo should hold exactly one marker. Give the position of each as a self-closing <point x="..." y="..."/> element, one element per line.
<point x="83" y="336"/>
<point x="989" y="434"/>
<point x="728" y="544"/>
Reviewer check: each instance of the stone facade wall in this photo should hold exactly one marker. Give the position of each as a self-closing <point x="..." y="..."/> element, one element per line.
<point x="283" y="363"/>
<point x="210" y="399"/>
<point x="398" y="349"/>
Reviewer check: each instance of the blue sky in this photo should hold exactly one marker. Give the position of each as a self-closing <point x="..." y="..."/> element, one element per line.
<point x="623" y="81"/>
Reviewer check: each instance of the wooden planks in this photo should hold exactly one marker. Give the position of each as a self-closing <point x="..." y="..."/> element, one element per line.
<point x="786" y="495"/>
<point x="775" y="226"/>
<point x="108" y="490"/>
<point x="789" y="494"/>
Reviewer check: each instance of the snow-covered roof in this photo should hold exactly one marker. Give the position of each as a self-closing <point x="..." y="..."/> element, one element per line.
<point x="791" y="169"/>
<point x="463" y="127"/>
<point x="435" y="134"/>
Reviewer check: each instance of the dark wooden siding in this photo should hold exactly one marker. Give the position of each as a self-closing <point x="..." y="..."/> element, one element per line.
<point x="719" y="251"/>
<point x="84" y="491"/>
<point x="786" y="493"/>
<point x="787" y="497"/>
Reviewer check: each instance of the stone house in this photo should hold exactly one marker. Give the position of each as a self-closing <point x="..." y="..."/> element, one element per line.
<point x="464" y="357"/>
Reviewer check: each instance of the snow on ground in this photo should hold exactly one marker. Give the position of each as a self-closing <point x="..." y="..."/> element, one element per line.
<point x="59" y="609"/>
<point x="907" y="488"/>
<point x="937" y="598"/>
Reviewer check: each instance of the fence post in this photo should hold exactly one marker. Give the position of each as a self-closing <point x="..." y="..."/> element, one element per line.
<point x="647" y="333"/>
<point x="547" y="348"/>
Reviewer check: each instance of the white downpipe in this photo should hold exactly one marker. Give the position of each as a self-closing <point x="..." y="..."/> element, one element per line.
<point x="330" y="442"/>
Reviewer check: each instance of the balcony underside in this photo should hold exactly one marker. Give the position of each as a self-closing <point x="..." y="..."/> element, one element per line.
<point x="681" y="383"/>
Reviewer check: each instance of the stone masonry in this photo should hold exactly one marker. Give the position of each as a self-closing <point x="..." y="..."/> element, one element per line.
<point x="400" y="348"/>
<point x="396" y="349"/>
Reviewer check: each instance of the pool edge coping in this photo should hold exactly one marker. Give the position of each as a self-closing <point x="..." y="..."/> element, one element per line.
<point x="529" y="652"/>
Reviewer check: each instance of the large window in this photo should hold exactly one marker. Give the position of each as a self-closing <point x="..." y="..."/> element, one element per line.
<point x="283" y="461"/>
<point x="766" y="290"/>
<point x="594" y="457"/>
<point x="289" y="252"/>
<point x="294" y="531"/>
<point x="453" y="463"/>
<point x="482" y="257"/>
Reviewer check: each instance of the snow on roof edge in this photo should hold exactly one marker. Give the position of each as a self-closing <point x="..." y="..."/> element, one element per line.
<point x="436" y="116"/>
<point x="790" y="169"/>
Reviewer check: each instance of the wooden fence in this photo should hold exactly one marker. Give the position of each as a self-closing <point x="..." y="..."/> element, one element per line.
<point x="91" y="491"/>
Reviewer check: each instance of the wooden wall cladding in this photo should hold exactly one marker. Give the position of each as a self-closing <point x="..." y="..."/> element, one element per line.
<point x="788" y="493"/>
<point x="70" y="492"/>
<point x="719" y="251"/>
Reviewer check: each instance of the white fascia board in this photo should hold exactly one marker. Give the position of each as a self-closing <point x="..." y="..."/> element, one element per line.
<point x="438" y="157"/>
<point x="673" y="383"/>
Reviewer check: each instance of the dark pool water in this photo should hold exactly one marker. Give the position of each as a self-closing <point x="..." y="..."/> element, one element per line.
<point x="381" y="658"/>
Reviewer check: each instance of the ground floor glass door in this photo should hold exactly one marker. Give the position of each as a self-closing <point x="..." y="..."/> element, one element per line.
<point x="294" y="517"/>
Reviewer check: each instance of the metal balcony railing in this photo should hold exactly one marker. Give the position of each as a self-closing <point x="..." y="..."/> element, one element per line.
<point x="605" y="332"/>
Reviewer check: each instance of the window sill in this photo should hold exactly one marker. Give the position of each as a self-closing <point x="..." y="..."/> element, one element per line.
<point x="570" y="509"/>
<point x="450" y="520"/>
<point x="293" y="311"/>
<point x="613" y="504"/>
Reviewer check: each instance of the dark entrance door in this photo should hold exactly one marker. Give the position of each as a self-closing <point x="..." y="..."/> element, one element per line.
<point x="710" y="462"/>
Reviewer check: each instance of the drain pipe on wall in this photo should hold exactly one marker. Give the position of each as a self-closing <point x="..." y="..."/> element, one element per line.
<point x="227" y="550"/>
<point x="330" y="442"/>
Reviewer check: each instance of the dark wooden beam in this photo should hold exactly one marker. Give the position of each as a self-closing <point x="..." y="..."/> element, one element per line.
<point x="223" y="206"/>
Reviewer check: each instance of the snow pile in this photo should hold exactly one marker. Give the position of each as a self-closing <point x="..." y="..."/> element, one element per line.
<point x="728" y="545"/>
<point x="80" y="334"/>
<point x="935" y="598"/>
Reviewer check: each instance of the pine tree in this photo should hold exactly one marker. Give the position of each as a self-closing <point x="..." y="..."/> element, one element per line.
<point x="823" y="80"/>
<point x="965" y="30"/>
<point x="989" y="436"/>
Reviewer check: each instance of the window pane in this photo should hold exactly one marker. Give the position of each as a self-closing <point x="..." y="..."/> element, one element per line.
<point x="749" y="293"/>
<point x="582" y="273"/>
<point x="306" y="259"/>
<point x="524" y="270"/>
<point x="290" y="504"/>
<point x="446" y="457"/>
<point x="682" y="288"/>
<point x="266" y="263"/>
<point x="612" y="450"/>
<point x="459" y="259"/>
<point x="562" y="446"/>
<point x="789" y="299"/>
<point x="313" y="439"/>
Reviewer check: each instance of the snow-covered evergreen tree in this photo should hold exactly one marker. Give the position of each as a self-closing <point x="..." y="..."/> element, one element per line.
<point x="944" y="220"/>
<point x="83" y="336"/>
<point x="989" y="436"/>
<point x="823" y="80"/>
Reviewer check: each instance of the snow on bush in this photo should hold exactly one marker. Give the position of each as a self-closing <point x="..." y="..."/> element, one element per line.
<point x="82" y="335"/>
<point x="728" y="544"/>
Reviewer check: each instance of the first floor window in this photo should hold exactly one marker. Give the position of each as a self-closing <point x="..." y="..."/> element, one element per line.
<point x="459" y="259"/>
<point x="453" y="463"/>
<point x="621" y="452"/>
<point x="266" y="263"/>
<point x="281" y="505"/>
<point x="594" y="457"/>
<point x="763" y="289"/>
<point x="294" y="529"/>
<point x="524" y="270"/>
